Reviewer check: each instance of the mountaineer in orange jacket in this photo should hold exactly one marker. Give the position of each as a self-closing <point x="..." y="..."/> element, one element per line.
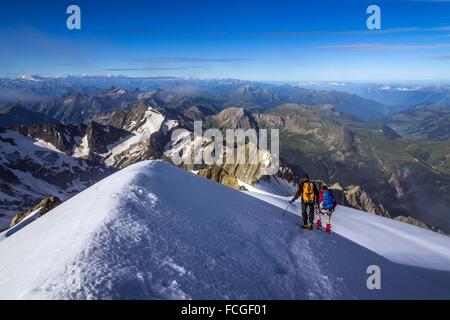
<point x="309" y="195"/>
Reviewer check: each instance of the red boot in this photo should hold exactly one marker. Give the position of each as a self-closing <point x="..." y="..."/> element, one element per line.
<point x="319" y="224"/>
<point x="328" y="228"/>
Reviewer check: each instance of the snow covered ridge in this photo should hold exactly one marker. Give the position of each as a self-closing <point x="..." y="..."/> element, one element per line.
<point x="154" y="231"/>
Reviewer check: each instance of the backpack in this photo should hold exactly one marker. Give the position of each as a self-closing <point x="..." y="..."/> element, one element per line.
<point x="328" y="200"/>
<point x="308" y="192"/>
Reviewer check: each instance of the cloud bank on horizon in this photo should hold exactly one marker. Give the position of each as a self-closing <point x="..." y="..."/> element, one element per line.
<point x="256" y="40"/>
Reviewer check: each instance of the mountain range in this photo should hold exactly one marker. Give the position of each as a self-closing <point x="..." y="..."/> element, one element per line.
<point x="399" y="96"/>
<point x="398" y="173"/>
<point x="425" y="122"/>
<point x="80" y="101"/>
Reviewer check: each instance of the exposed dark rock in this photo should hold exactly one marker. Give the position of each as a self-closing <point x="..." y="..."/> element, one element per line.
<point x="355" y="197"/>
<point x="44" y="206"/>
<point x="411" y="220"/>
<point x="232" y="118"/>
<point x="221" y="176"/>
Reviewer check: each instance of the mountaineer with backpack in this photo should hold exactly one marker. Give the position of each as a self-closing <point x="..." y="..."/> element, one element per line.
<point x="309" y="193"/>
<point x="327" y="204"/>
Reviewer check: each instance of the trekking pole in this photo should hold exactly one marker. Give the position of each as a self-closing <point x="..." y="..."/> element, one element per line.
<point x="284" y="212"/>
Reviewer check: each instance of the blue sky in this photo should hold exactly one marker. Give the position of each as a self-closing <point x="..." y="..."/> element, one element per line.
<point x="254" y="40"/>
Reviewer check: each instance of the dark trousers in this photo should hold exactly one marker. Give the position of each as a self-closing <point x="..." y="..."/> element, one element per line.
<point x="305" y="207"/>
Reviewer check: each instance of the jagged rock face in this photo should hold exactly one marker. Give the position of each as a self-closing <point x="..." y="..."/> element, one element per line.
<point x="85" y="141"/>
<point x="99" y="137"/>
<point x="232" y="118"/>
<point x="197" y="113"/>
<point x="242" y="170"/>
<point x="167" y="99"/>
<point x="248" y="96"/>
<point x="62" y="160"/>
<point x="59" y="135"/>
<point x="221" y="176"/>
<point x="78" y="107"/>
<point x="286" y="173"/>
<point x="33" y="168"/>
<point x="140" y="152"/>
<point x="69" y="109"/>
<point x="243" y="166"/>
<point x="410" y="220"/>
<point x="247" y="173"/>
<point x="117" y="119"/>
<point x="315" y="124"/>
<point x="137" y="117"/>
<point x="394" y="181"/>
<point x="357" y="198"/>
<point x="420" y="224"/>
<point x="237" y="118"/>
<point x="306" y="121"/>
<point x="149" y="132"/>
<point x="44" y="206"/>
<point x="118" y="140"/>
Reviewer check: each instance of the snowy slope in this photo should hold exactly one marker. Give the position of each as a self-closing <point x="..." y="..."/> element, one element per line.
<point x="397" y="241"/>
<point x="271" y="185"/>
<point x="155" y="231"/>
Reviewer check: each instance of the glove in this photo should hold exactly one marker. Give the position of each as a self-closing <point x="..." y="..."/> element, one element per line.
<point x="291" y="201"/>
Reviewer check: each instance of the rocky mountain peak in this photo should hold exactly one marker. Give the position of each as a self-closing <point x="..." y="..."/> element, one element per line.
<point x="232" y="118"/>
<point x="58" y="135"/>
<point x="44" y="206"/>
<point x="99" y="137"/>
<point x="357" y="198"/>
